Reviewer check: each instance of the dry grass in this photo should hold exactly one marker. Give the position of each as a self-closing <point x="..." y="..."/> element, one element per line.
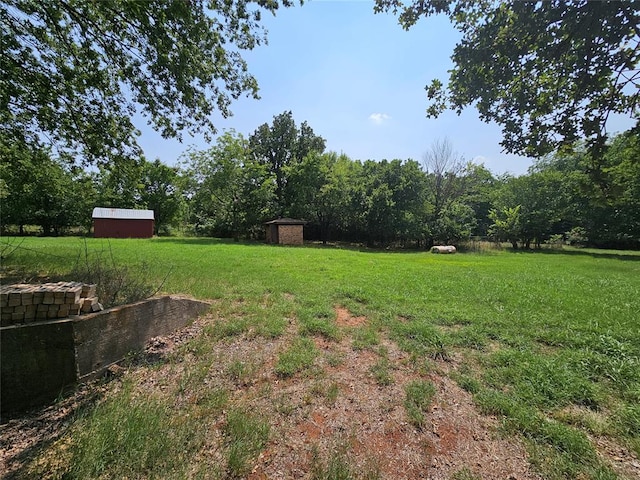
<point x="237" y="416"/>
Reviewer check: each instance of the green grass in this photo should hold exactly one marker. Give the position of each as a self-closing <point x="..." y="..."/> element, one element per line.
<point x="128" y="436"/>
<point x="535" y="334"/>
<point x="465" y="474"/>
<point x="381" y="372"/>
<point x="365" y="337"/>
<point x="339" y="467"/>
<point x="418" y="396"/>
<point x="246" y="435"/>
<point x="297" y="357"/>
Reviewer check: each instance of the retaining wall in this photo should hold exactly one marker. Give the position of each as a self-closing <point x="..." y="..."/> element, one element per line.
<point x="39" y="360"/>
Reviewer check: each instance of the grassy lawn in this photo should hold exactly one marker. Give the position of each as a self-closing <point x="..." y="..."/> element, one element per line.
<point x="549" y="342"/>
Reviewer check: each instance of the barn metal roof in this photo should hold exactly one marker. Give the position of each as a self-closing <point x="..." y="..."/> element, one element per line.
<point x="122" y="213"/>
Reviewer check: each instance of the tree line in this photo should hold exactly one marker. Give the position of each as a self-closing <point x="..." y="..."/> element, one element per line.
<point x="283" y="170"/>
<point x="550" y="74"/>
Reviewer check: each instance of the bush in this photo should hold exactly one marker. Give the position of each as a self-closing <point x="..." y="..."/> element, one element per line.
<point x="115" y="284"/>
<point x="577" y="237"/>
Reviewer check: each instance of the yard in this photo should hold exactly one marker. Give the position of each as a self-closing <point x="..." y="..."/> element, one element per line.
<point x="326" y="362"/>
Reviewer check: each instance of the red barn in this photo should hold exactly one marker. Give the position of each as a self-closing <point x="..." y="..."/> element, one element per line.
<point x="122" y="223"/>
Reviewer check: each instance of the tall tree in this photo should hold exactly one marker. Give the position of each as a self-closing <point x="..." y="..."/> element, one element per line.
<point x="120" y="185"/>
<point x="544" y="206"/>
<point x="550" y="73"/>
<point x="393" y="201"/>
<point x="606" y="206"/>
<point x="160" y="192"/>
<point x="40" y="190"/>
<point x="452" y="181"/>
<point x="73" y="72"/>
<point x="480" y="183"/>
<point x="229" y="193"/>
<point x="281" y="144"/>
<point x="445" y="169"/>
<point x="320" y="190"/>
<point x="506" y="225"/>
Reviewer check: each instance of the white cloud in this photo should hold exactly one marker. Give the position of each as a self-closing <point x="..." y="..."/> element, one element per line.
<point x="379" y="118"/>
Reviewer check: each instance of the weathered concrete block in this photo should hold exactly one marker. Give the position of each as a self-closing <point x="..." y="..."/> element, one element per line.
<point x="14" y="299"/>
<point x="37" y="361"/>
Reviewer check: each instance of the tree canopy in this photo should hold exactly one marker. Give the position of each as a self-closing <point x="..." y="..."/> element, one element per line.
<point x="74" y="72"/>
<point x="550" y="73"/>
<point x="280" y="145"/>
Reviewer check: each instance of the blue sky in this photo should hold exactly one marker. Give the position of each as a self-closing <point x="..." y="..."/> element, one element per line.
<point x="358" y="80"/>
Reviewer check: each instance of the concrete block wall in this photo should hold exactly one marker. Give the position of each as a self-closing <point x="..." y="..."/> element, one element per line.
<point x="39" y="360"/>
<point x="290" y="234"/>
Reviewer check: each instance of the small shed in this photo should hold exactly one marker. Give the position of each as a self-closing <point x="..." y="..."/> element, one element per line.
<point x="285" y="231"/>
<point x="122" y="223"/>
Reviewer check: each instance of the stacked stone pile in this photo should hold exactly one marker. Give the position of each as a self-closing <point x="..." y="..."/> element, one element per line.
<point x="24" y="303"/>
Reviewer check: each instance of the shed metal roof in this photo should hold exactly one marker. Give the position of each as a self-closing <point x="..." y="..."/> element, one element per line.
<point x="286" y="221"/>
<point x="122" y="213"/>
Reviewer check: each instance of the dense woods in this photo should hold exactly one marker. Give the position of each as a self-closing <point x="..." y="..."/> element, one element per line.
<point x="282" y="169"/>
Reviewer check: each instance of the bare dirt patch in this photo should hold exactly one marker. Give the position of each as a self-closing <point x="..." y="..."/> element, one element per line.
<point x="368" y="422"/>
<point x="345" y="319"/>
<point x="337" y="408"/>
<point x="622" y="460"/>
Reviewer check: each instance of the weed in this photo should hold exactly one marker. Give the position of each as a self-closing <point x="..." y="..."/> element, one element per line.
<point x="383" y="351"/>
<point x="465" y="474"/>
<point x="332" y="393"/>
<point x="593" y="422"/>
<point x="299" y="356"/>
<point x="272" y="326"/>
<point x="357" y="295"/>
<point x="543" y="381"/>
<point x="467" y="383"/>
<point x="335" y="359"/>
<point x="317" y="389"/>
<point x="339" y="467"/>
<point x="230" y="327"/>
<point x="213" y="400"/>
<point x="629" y="420"/>
<point x="336" y="468"/>
<point x="613" y="360"/>
<point x="245" y="436"/>
<point x="115" y="284"/>
<point x="470" y="338"/>
<point x="284" y="406"/>
<point x="193" y="377"/>
<point x="240" y="372"/>
<point x="418" y="396"/>
<point x="420" y="364"/>
<point x="561" y="448"/>
<point x="198" y="346"/>
<point x="557" y="465"/>
<point x="381" y="372"/>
